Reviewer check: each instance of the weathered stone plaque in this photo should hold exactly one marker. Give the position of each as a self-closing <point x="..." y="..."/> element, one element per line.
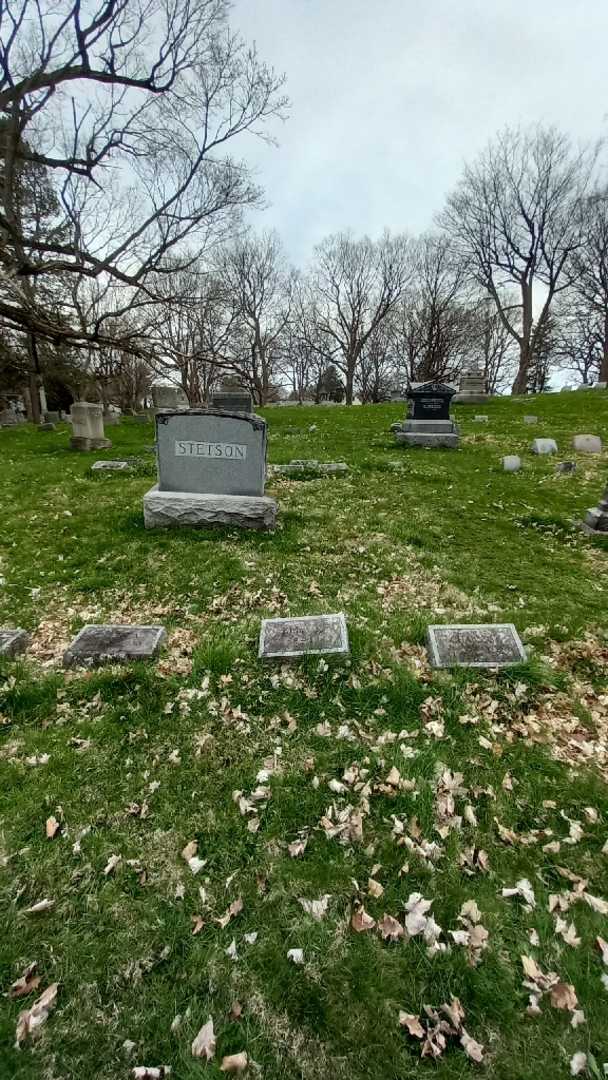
<point x="13" y="642"/>
<point x="94" y="646"/>
<point x="309" y="634"/>
<point x="112" y="466"/>
<point x="475" y="645"/>
<point x="587" y="444"/>
<point x="211" y="452"/>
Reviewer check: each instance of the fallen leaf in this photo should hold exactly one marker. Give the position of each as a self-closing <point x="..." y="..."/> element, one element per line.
<point x="236" y="1010"/>
<point x="472" y="1049"/>
<point x="203" y="1044"/>
<point x="316" y="908"/>
<point x="374" y="888"/>
<point x="52" y="827"/>
<point x="150" y="1072"/>
<point x="578" y="1064"/>
<point x="596" y="903"/>
<point x="390" y="928"/>
<point x="30" y="1020"/>
<point x="40" y="907"/>
<point x="197" y="924"/>
<point x="297" y="848"/>
<point x="190" y="850"/>
<point x="523" y="889"/>
<point x="361" y="921"/>
<point x="235" y="1062"/>
<point x="412" y="1023"/>
<point x="28" y="982"/>
<point x="563" y="996"/>
<point x="296" y="956"/>
<point x="111" y="864"/>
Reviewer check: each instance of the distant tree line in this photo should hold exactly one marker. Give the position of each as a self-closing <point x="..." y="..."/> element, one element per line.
<point x="124" y="256"/>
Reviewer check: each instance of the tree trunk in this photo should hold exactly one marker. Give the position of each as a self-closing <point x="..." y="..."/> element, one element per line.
<point x="520" y="385"/>
<point x="350" y="378"/>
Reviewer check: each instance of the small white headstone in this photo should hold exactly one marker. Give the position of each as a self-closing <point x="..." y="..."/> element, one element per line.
<point x="544" y="446"/>
<point x="511" y="463"/>
<point x="530" y="419"/>
<point x="587" y="444"/>
<point x="481" y="419"/>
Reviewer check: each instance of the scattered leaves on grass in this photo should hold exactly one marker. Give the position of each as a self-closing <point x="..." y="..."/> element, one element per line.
<point x="434" y="1031"/>
<point x="524" y="890"/>
<point x="316" y="908"/>
<point x="27" y="983"/>
<point x="150" y="1072"/>
<point x="361" y="921"/>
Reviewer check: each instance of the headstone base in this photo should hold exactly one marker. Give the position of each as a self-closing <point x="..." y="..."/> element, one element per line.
<point x="470" y="399"/>
<point x="429" y="433"/>
<point x="79" y="443"/>
<point x="172" y="509"/>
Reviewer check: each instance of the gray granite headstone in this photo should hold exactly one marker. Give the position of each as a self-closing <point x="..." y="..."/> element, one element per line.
<point x="13" y="642"/>
<point x="511" y="463"/>
<point x="475" y="645"/>
<point x="94" y="646"/>
<point x="211" y="452"/>
<point x="307" y="635"/>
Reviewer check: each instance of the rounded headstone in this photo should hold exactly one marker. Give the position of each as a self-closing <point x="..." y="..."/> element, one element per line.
<point x="587" y="444"/>
<point x="511" y="463"/>
<point x="544" y="446"/>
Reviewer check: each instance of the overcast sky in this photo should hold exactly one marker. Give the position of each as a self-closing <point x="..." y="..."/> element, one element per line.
<point x="390" y="97"/>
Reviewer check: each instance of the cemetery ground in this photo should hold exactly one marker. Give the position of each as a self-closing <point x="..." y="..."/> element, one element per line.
<point x="310" y="854"/>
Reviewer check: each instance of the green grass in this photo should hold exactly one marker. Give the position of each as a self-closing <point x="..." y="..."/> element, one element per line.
<point x="408" y="537"/>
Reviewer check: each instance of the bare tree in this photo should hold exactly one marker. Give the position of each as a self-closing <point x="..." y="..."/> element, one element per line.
<point x="130" y="106"/>
<point x="433" y="327"/>
<point x="254" y="273"/>
<point x="355" y="284"/>
<point x="589" y="301"/>
<point x="515" y="220"/>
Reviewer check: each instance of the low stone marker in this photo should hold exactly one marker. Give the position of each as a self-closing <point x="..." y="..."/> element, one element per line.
<point x="112" y="466"/>
<point x="530" y="419"/>
<point x="297" y="467"/>
<point x="481" y="419"/>
<point x="211" y="471"/>
<point x="13" y="642"/>
<point x="95" y="646"/>
<point x="565" y="467"/>
<point x="511" y="463"/>
<point x="587" y="444"/>
<point x="600" y="386"/>
<point x="51" y="418"/>
<point x="480" y="645"/>
<point x="232" y="399"/>
<point x="304" y="636"/>
<point x="46" y="426"/>
<point x="544" y="446"/>
<point x="596" y="519"/>
<point x="87" y="427"/>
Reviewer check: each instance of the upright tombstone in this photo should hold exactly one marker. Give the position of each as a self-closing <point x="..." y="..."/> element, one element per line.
<point x="169" y="397"/>
<point x="473" y="389"/>
<point x="87" y="427"/>
<point x="211" y="471"/>
<point x="111" y="415"/>
<point x="232" y="399"/>
<point x="429" y="423"/>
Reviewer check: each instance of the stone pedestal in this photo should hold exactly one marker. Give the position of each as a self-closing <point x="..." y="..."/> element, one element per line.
<point x="239" y="401"/>
<point x="473" y="389"/>
<point x="596" y="519"/>
<point x="87" y="427"/>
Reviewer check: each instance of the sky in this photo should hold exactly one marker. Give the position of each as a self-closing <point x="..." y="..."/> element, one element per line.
<point x="389" y="99"/>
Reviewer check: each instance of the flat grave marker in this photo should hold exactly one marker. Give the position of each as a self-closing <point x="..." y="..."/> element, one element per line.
<point x="304" y="636"/>
<point x="96" y="645"/>
<point x="476" y="645"/>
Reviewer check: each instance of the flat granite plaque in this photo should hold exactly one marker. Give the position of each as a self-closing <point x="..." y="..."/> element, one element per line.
<point x="476" y="645"/>
<point x="13" y="642"/>
<point x="94" y="646"/>
<point x="304" y="636"/>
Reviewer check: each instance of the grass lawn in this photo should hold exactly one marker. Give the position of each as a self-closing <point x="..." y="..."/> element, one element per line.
<point x="198" y="800"/>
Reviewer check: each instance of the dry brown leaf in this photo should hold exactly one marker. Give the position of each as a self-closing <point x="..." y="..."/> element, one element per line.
<point x="197" y="924"/>
<point x="203" y="1044"/>
<point x="28" y="982"/>
<point x="190" y="850"/>
<point x="596" y="903"/>
<point x="472" y="1049"/>
<point x="412" y="1023"/>
<point x="297" y="848"/>
<point x="454" y="1012"/>
<point x="30" y="1020"/>
<point x="316" y="908"/>
<point x="52" y="827"/>
<point x="111" y="864"/>
<point x="390" y="928"/>
<point x="578" y="1064"/>
<point x="235" y="1062"/>
<point x="563" y="996"/>
<point x="40" y="907"/>
<point x="236" y="1010"/>
<point x="374" y="888"/>
<point x="361" y="921"/>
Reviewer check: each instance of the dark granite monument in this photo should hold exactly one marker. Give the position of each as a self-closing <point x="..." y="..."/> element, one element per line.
<point x="428" y="423"/>
<point x="596" y="519"/>
<point x="13" y="642"/>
